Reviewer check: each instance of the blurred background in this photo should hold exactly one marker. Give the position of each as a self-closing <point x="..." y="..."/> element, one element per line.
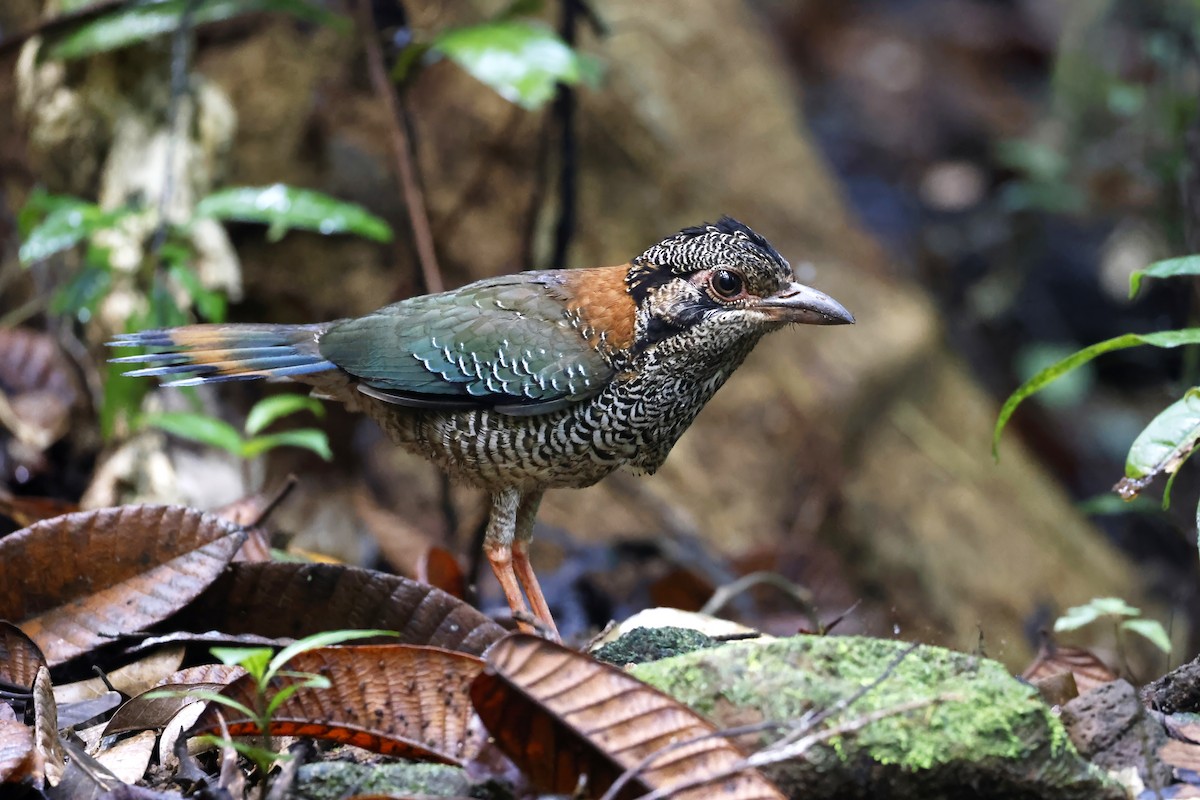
<point x="975" y="179"/>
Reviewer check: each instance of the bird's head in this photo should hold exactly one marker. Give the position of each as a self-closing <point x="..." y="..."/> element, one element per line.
<point x="722" y="280"/>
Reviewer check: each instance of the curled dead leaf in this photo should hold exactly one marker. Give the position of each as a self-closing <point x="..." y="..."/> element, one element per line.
<point x="80" y="580"/>
<point x="297" y="600"/>
<point x="560" y="715"/>
<point x="20" y="657"/>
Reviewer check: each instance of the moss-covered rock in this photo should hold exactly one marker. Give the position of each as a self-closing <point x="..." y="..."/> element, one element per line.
<point x="988" y="736"/>
<point x="330" y="780"/>
<point x="651" y="644"/>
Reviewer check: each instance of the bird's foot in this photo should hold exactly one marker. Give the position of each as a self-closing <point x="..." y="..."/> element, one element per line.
<point x="531" y="623"/>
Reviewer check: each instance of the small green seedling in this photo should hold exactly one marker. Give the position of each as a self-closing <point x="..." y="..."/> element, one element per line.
<point x="208" y="430"/>
<point x="264" y="664"/>
<point x="1122" y="616"/>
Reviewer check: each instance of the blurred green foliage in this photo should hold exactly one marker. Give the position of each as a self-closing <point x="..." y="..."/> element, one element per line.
<point x="1122" y="616"/>
<point x="214" y="432"/>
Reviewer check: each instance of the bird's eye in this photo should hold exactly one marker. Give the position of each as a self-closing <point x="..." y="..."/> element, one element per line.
<point x="726" y="284"/>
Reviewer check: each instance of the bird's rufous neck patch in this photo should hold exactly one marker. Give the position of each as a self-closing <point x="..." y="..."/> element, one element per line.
<point x="598" y="299"/>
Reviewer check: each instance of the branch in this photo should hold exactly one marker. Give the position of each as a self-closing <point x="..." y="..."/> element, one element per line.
<point x="414" y="198"/>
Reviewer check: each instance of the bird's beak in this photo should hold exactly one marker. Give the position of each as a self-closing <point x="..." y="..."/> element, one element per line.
<point x="805" y="305"/>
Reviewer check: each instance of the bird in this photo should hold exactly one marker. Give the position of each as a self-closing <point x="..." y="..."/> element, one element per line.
<point x="529" y="381"/>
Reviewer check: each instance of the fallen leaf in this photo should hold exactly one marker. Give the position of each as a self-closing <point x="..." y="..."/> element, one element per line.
<point x="1088" y="670"/>
<point x="37" y="388"/>
<point x="20" y="657"/>
<point x="398" y="700"/>
<point x="560" y="715"/>
<point x="296" y="600"/>
<point x="78" y="581"/>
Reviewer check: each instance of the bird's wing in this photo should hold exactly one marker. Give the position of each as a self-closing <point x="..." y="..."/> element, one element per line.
<point x="507" y="344"/>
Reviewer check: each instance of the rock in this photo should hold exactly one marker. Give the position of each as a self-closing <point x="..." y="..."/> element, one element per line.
<point x="1110" y="727"/>
<point x="329" y="780"/>
<point x="984" y="734"/>
<point x="1178" y="690"/>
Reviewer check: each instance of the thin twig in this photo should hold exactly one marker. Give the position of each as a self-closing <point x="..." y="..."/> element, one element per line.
<point x="414" y="198"/>
<point x="289" y="484"/>
<point x="724" y="594"/>
<point x="859" y="693"/>
<point x="181" y="57"/>
<point x="775" y="754"/>
<point x="29" y="308"/>
<point x="564" y="111"/>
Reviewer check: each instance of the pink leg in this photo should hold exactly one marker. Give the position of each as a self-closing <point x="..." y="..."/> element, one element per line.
<point x="524" y="570"/>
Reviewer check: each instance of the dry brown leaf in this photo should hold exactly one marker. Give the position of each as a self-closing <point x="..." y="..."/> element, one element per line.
<point x="78" y="581"/>
<point x="45" y="728"/>
<point x="560" y="715"/>
<point x="25" y="511"/>
<point x="19" y="759"/>
<point x="439" y="567"/>
<point x="130" y="679"/>
<point x="20" y="657"/>
<point x="129" y="758"/>
<point x="37" y="388"/>
<point x="297" y="600"/>
<point x="399" y="700"/>
<point x="143" y="713"/>
<point x="1088" y="670"/>
<point x="400" y="541"/>
<point x="223" y="674"/>
<point x="153" y="713"/>
<point x="1180" y="755"/>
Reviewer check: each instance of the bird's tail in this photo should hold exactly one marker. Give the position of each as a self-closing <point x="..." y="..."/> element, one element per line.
<point x="215" y="353"/>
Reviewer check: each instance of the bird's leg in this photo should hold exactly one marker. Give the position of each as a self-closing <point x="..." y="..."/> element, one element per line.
<point x="520" y="554"/>
<point x="498" y="547"/>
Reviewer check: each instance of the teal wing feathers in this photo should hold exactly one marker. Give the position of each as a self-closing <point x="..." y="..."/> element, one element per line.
<point x="507" y="343"/>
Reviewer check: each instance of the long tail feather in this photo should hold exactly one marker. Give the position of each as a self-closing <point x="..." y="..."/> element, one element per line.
<point x="217" y="353"/>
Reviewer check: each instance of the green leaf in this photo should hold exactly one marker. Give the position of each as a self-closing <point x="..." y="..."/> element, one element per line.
<point x="1076" y="618"/>
<point x="306" y="438"/>
<point x="1079" y="616"/>
<point x="1039" y="381"/>
<point x="305" y="680"/>
<point x="122" y="399"/>
<point x="317" y="641"/>
<point x="1071" y="389"/>
<point x="83" y="292"/>
<point x="1032" y="158"/>
<point x="1170" y="268"/>
<point x="138" y="22"/>
<point x="209" y="304"/>
<point x="522" y="60"/>
<point x="1167" y="441"/>
<point x="164" y="308"/>
<point x="197" y="428"/>
<point x="216" y="697"/>
<point x="69" y="223"/>
<point x="269" y="409"/>
<point x="285" y="207"/>
<point x="253" y="659"/>
<point x="261" y="756"/>
<point x="1152" y="629"/>
<point x="1114" y="607"/>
